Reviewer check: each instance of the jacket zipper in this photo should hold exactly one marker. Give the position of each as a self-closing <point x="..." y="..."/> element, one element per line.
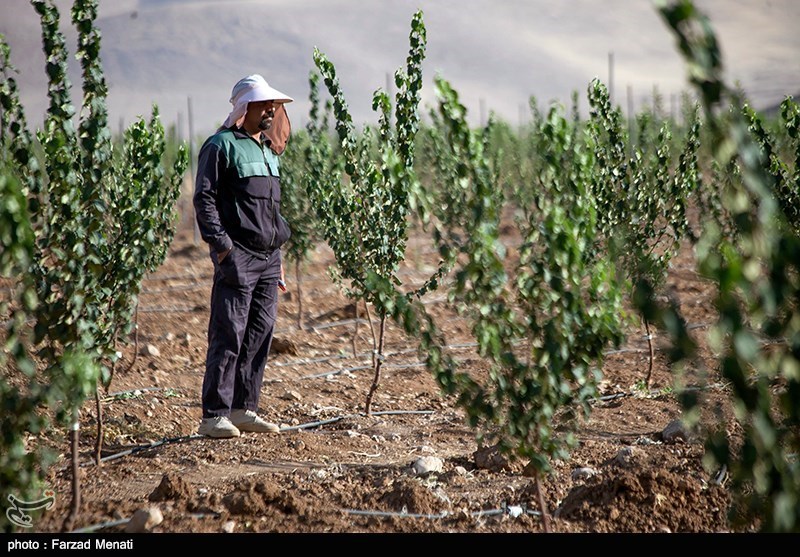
<point x="271" y="201"/>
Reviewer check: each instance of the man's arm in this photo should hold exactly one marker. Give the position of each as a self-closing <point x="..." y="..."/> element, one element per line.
<point x="210" y="168"/>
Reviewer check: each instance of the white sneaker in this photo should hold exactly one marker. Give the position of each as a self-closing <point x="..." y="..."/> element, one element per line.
<point x="247" y="420"/>
<point x="219" y="427"/>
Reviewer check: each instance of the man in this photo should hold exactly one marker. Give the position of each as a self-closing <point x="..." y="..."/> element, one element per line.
<point x="237" y="204"/>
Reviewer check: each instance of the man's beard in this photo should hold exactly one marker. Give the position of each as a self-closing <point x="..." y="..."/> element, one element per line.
<point x="265" y="123"/>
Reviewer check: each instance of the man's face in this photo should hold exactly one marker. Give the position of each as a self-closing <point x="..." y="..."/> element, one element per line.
<point x="260" y="114"/>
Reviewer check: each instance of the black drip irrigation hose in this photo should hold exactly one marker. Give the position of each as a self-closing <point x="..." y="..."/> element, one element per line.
<point x="149" y="446"/>
<point x="331" y="324"/>
<point x="361" y="368"/>
<point x="336" y="372"/>
<point x="312" y="361"/>
<point x="364" y="355"/>
<point x="309" y="425"/>
<point x="174" y="309"/>
<point x="511" y="510"/>
<point x="315" y="424"/>
<point x="615" y="396"/>
<point x="122" y="521"/>
<point x="101" y="526"/>
<point x="386" y="514"/>
<point x="607" y="398"/>
<point x="184" y="276"/>
<point x="623" y="351"/>
<point x="184" y="288"/>
<point x="141" y="390"/>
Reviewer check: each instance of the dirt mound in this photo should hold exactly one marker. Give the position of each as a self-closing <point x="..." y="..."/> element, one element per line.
<point x="257" y="498"/>
<point x="172" y="486"/>
<point x="614" y="501"/>
<point x="410" y="496"/>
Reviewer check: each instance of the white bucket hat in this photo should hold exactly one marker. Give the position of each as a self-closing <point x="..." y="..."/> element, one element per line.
<point x="255" y="88"/>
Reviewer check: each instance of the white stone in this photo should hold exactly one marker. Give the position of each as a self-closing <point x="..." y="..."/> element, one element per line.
<point x="229" y="527"/>
<point x="583" y="473"/>
<point x="144" y="520"/>
<point x="149" y="350"/>
<point x="428" y="464"/>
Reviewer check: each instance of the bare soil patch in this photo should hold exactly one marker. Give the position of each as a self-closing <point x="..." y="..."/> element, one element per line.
<point x="353" y="473"/>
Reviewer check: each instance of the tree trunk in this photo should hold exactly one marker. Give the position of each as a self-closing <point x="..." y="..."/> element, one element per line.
<point x="372" y="330"/>
<point x="98" y="445"/>
<point x="355" y="329"/>
<point x="299" y="285"/>
<point x="69" y="523"/>
<point x="652" y="353"/>
<point x="542" y="504"/>
<point x="135" y="339"/>
<point x="378" y="363"/>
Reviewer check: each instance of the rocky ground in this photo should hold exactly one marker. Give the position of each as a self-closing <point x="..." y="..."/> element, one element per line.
<point x="333" y="469"/>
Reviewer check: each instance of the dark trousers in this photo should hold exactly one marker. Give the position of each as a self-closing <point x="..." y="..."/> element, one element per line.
<point x="244" y="304"/>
